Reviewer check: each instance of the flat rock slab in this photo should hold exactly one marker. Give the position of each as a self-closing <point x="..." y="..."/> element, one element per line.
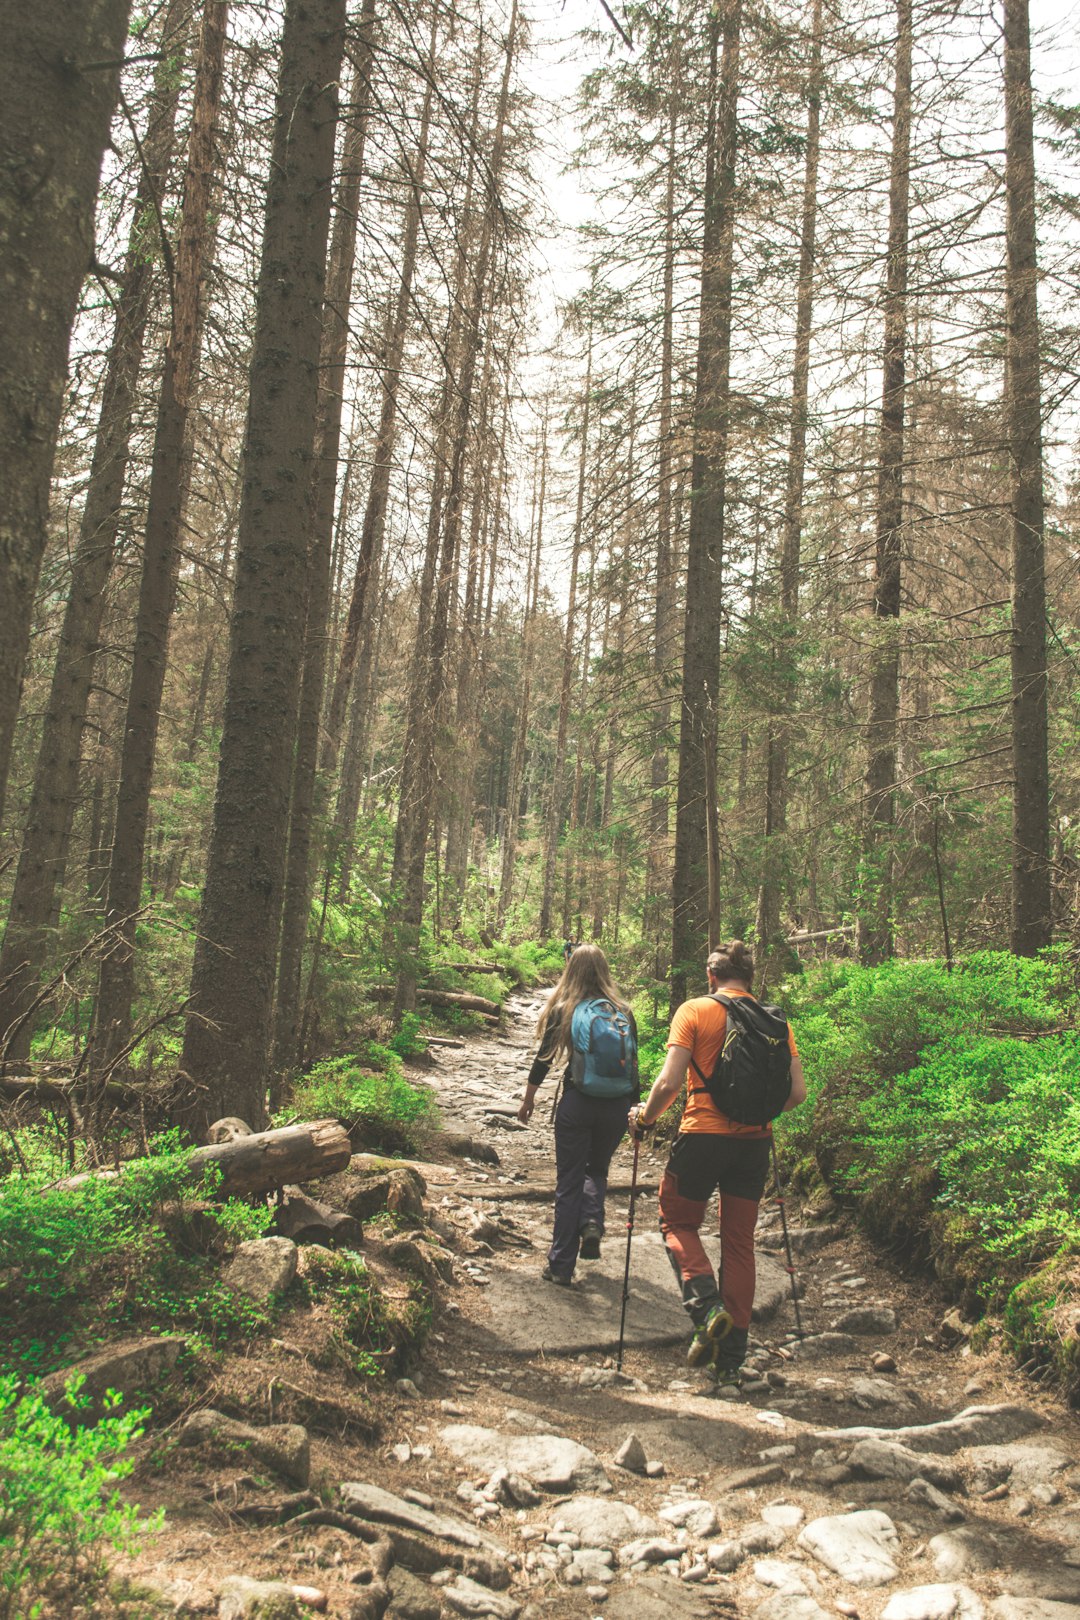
<point x="383" y="1507"/>
<point x="963" y="1552"/>
<point x="240" y="1598"/>
<point x="887" y="1459"/>
<point x="604" y="1521"/>
<point x="1020" y="1465"/>
<point x="548" y="1461"/>
<point x="469" y="1597"/>
<point x="529" y="1315"/>
<point x="658" y="1597"/>
<point x="937" y="1602"/>
<point x="284" y="1447"/>
<point x="975" y="1426"/>
<point x="859" y="1547"/>
<point x="131" y="1368"/>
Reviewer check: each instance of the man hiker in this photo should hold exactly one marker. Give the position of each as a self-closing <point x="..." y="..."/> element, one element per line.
<point x="715" y="1152"/>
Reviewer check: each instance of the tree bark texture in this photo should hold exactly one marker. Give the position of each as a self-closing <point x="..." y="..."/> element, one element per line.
<point x="415" y="808"/>
<point x="43" y="855"/>
<point x="786" y="673"/>
<point x="263" y="1161"/>
<point x="226" y="1045"/>
<point x="299" y="875"/>
<point x="708" y="491"/>
<point x="169" y="477"/>
<point x="1032" y="920"/>
<point x="879" y="811"/>
<point x="59" y="75"/>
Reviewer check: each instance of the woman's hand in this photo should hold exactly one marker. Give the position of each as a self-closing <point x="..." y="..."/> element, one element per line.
<point x="525" y="1112"/>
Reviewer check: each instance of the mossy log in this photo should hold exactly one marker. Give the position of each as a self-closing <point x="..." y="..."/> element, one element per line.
<point x="439" y="998"/>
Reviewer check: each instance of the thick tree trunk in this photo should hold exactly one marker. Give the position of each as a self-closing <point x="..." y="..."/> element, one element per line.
<point x="1032" y="918"/>
<point x="876" y="903"/>
<point x="705" y="549"/>
<point x="43" y="856"/>
<point x="299" y="874"/>
<point x="169" y="476"/>
<point x="226" y="1046"/>
<point x="785" y="672"/>
<point x="59" y="73"/>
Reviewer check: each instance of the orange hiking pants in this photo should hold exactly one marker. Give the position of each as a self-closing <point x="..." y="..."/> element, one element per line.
<point x="702" y="1163"/>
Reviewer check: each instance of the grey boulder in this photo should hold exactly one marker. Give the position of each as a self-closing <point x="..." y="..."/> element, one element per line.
<point x="963" y="1552"/>
<point x="867" y="1319"/>
<point x="262" y="1268"/>
<point x="132" y="1368"/>
<point x="860" y="1547"/>
<point x="240" y="1598"/>
<point x="936" y="1602"/>
<point x="599" y="1521"/>
<point x="888" y="1459"/>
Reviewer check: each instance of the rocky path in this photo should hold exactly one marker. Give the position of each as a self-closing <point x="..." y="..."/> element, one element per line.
<point x="877" y="1469"/>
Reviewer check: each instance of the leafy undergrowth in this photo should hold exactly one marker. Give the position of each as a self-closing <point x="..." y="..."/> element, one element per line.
<point x="947" y="1107"/>
<point x="368" y="1092"/>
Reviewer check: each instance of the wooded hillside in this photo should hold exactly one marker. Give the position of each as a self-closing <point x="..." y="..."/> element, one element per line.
<point x="358" y="613"/>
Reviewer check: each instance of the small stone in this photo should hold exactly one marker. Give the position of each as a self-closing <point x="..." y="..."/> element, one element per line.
<point x="406" y="1387"/>
<point x="655" y="1550"/>
<point x="725" y="1556"/>
<point x="401" y="1453"/>
<point x="783" y="1515"/>
<point x="761" y="1538"/>
<point x="470" y="1598"/>
<point x="921" y="1490"/>
<point x="776" y="1453"/>
<point x="1045" y="1494"/>
<point x="240" y="1598"/>
<point x="882" y="1362"/>
<point x="695" y="1515"/>
<point x="867" y="1319"/>
<point x="1022" y="1507"/>
<point x="845" y="1606"/>
<point x="655" y="1470"/>
<point x="631" y="1455"/>
<point x="452" y="1409"/>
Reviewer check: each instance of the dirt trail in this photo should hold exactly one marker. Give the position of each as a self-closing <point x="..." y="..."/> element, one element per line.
<point x="872" y="1470"/>
<point x="980" y="1519"/>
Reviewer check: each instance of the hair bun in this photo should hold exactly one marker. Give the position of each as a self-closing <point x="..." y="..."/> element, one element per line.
<point x="740" y="954"/>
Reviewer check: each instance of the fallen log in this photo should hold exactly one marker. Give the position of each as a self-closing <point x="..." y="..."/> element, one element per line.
<point x="263" y="1161"/>
<point x="306" y="1221"/>
<point x="473" y="967"/>
<point x="40" y="1089"/>
<point x="442" y="1040"/>
<point x="439" y="998"/>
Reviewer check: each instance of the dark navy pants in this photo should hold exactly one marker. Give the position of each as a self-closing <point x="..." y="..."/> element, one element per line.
<point x="587" y="1132"/>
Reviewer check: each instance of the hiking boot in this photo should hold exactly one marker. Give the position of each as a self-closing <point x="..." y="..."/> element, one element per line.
<point x="703" y="1346"/>
<point x="726" y="1376"/>
<point x="590" y="1241"/>
<point x="553" y="1277"/>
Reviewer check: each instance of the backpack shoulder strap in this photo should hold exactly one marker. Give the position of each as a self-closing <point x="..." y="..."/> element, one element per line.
<point x="721" y="1001"/>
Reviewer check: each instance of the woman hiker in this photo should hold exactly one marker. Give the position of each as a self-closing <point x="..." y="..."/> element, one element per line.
<point x="712" y="1152"/>
<point x="599" y="1084"/>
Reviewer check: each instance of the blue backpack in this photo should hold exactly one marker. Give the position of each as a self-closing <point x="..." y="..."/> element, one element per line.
<point x="604" y="1060"/>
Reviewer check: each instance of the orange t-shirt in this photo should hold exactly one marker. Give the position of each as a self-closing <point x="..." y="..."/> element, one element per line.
<point x="699" y="1026"/>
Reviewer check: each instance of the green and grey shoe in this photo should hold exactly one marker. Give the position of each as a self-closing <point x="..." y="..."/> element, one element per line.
<point x="703" y="1346"/>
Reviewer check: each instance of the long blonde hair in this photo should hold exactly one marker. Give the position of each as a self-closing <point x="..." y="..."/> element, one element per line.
<point x="586" y="976"/>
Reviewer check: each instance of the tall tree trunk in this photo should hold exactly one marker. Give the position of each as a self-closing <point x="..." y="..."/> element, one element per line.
<point x="43" y="855"/>
<point x="379" y="487"/>
<point x="59" y="75"/>
<point x="555" y="793"/>
<point x="299" y="875"/>
<point x="1032" y="906"/>
<point x="226" y="1042"/>
<point x="785" y="670"/>
<point x="664" y="613"/>
<point x="521" y="732"/>
<point x="415" y="812"/>
<point x="169" y="475"/>
<point x="705" y="548"/>
<point x="875" y="930"/>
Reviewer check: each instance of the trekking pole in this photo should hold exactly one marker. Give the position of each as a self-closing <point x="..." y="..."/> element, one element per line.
<point x="790" y="1267"/>
<point x="629" y="1239"/>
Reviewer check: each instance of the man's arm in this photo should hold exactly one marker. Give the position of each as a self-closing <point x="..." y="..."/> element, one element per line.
<point x="798" y="1084"/>
<point x="665" y="1089"/>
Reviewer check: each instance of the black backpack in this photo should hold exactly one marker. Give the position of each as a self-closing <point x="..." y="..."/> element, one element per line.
<point x="751" y="1078"/>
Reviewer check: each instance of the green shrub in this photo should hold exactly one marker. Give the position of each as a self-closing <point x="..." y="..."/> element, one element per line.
<point x="59" y="1509"/>
<point x="387" y="1111"/>
<point x="947" y="1106"/>
<point x="379" y="1331"/>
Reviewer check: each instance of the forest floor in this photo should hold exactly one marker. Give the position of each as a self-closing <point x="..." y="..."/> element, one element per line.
<point x="841" y="1480"/>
